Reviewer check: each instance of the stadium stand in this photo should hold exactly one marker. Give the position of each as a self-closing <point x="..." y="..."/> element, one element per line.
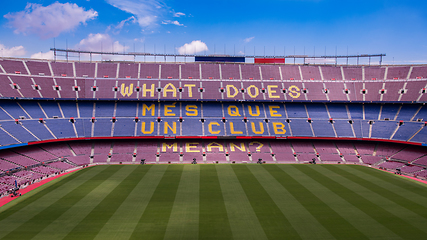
<point x="124" y="111"/>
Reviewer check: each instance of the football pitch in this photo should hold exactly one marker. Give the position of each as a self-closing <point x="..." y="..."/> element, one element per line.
<point x="220" y="202"/>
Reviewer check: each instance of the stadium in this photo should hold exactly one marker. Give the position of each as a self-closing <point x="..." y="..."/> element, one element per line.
<point x="99" y="144"/>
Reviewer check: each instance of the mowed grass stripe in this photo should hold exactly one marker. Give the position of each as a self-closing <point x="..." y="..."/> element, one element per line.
<point x="375" y="211"/>
<point x="394" y="197"/>
<point x="415" y="188"/>
<point x="62" y="225"/>
<point x="319" y="203"/>
<point x="272" y="220"/>
<point x="243" y="220"/>
<point x="89" y="227"/>
<point x="403" y="219"/>
<point x="373" y="176"/>
<point x="184" y="219"/>
<point x="154" y="220"/>
<point x="213" y="219"/>
<point x="124" y="220"/>
<point x="297" y="215"/>
<point x="40" y="192"/>
<point x="27" y="227"/>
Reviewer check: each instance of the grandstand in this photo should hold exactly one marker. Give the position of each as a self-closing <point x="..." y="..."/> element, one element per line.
<point x="57" y="115"/>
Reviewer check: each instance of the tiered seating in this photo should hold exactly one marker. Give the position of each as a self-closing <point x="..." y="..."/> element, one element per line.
<point x="391" y="165"/>
<point x="60" y="165"/>
<point x="44" y="170"/>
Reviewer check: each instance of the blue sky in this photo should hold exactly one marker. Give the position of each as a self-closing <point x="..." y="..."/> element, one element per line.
<point x="311" y="27"/>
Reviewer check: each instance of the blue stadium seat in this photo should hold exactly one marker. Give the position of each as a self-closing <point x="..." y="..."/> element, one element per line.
<point x="361" y="128"/>
<point x="343" y="128"/>
<point x="69" y="109"/>
<point x="104" y="109"/>
<point x="51" y="109"/>
<point x="301" y="128"/>
<point x="102" y="127"/>
<point x="235" y="127"/>
<point x="407" y="112"/>
<point x="296" y="110"/>
<point x="356" y="111"/>
<point x="83" y="127"/>
<point x="18" y="132"/>
<point x="32" y="108"/>
<point x="212" y="110"/>
<point x="192" y="127"/>
<point x="124" y="127"/>
<point x="338" y="111"/>
<point x="407" y="130"/>
<point x="372" y="111"/>
<point x="389" y="111"/>
<point x="322" y="128"/>
<point x="86" y="109"/>
<point x="13" y="109"/>
<point x="421" y="136"/>
<point x="422" y="114"/>
<point x="126" y="109"/>
<point x="317" y="111"/>
<point x="61" y="128"/>
<point x="383" y="129"/>
<point x="5" y="139"/>
<point x="37" y="129"/>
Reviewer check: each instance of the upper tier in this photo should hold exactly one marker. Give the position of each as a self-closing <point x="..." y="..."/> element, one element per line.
<point x="211" y="81"/>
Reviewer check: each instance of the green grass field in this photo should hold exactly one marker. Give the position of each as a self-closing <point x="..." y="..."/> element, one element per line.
<point x="220" y="202"/>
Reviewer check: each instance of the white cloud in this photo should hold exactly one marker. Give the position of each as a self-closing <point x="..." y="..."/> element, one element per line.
<point x="49" y="21"/>
<point x="246" y="40"/>
<point x="145" y="11"/>
<point x="172" y="22"/>
<point x="121" y="24"/>
<point x="178" y="14"/>
<point x="16" y="51"/>
<point x="41" y="55"/>
<point x="103" y="42"/>
<point x="193" y="47"/>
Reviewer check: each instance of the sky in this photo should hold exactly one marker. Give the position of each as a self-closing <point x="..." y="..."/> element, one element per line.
<point x="281" y="27"/>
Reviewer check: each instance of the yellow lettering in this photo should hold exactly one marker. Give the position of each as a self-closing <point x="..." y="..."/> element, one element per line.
<point x="145" y="90"/>
<point x="257" y="111"/>
<point x="233" y="111"/>
<point x="228" y="88"/>
<point x="167" y="126"/>
<point x="191" y="108"/>
<point x="145" y="108"/>
<point x="167" y="111"/>
<point x="261" y="128"/>
<point x="174" y="147"/>
<point x="241" y="148"/>
<point x="145" y="131"/>
<point x="232" y="131"/>
<point x="215" y="145"/>
<point x="271" y="91"/>
<point x="279" y="128"/>
<point x="172" y="90"/>
<point x="211" y="129"/>
<point x="256" y="91"/>
<point x="126" y="91"/>
<point x="190" y="89"/>
<point x="274" y="112"/>
<point x="294" y="91"/>
<point x="188" y="147"/>
<point x="258" y="149"/>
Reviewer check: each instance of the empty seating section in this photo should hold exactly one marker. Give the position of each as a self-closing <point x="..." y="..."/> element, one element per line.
<point x="310" y="73"/>
<point x="85" y="70"/>
<point x="331" y="73"/>
<point x="107" y="70"/>
<point x="190" y="71"/>
<point x="270" y="72"/>
<point x="62" y="69"/>
<point x="418" y="72"/>
<point x="150" y="71"/>
<point x="170" y="71"/>
<point x="38" y="68"/>
<point x="230" y="71"/>
<point x="128" y="70"/>
<point x="250" y="72"/>
<point x="374" y="73"/>
<point x="291" y="73"/>
<point x="12" y="66"/>
<point x="397" y="72"/>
